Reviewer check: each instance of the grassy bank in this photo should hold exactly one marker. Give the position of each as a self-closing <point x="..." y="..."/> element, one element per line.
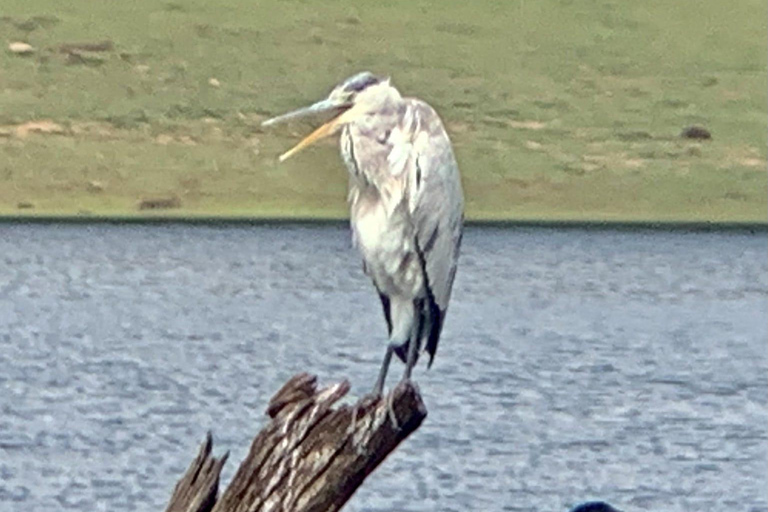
<point x="558" y="109"/>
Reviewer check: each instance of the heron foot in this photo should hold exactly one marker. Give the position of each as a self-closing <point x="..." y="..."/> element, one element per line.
<point x="389" y="404"/>
<point x="353" y="424"/>
<point x="353" y="434"/>
<point x="411" y="358"/>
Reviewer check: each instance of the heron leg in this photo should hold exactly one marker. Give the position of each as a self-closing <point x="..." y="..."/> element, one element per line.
<point x="410" y="360"/>
<point x="378" y="389"/>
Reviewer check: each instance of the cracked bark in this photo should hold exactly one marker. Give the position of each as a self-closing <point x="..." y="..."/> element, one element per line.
<point x="309" y="457"/>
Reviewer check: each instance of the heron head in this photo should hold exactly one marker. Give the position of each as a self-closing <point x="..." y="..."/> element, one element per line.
<point x="347" y="101"/>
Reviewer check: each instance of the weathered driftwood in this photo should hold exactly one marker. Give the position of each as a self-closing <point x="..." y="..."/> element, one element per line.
<point x="197" y="489"/>
<point x="310" y="457"/>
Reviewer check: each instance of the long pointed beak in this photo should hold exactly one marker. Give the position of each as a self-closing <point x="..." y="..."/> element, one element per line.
<point x="318" y="108"/>
<point x="325" y="130"/>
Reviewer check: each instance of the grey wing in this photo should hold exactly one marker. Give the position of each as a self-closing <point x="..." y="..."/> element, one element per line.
<point x="436" y="204"/>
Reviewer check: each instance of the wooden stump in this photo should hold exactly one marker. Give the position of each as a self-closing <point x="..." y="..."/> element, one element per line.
<point x="310" y="456"/>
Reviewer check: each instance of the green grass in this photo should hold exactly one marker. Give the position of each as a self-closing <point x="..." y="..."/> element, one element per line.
<point x="558" y="109"/>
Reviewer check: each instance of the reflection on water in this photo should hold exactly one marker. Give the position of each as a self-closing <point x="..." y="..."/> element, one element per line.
<point x="628" y="367"/>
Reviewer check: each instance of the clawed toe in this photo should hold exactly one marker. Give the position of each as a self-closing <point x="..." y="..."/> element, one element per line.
<point x="390" y="399"/>
<point x="353" y="424"/>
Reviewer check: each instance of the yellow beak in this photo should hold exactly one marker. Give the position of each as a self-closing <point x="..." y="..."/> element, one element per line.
<point x="324" y="131"/>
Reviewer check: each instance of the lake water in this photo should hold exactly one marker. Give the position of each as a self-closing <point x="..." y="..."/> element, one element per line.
<point x="574" y="365"/>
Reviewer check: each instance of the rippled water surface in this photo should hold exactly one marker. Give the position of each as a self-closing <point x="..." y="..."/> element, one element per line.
<point x="629" y="367"/>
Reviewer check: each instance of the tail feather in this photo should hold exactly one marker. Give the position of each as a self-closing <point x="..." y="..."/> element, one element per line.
<point x="436" y="318"/>
<point x="421" y="320"/>
<point x="430" y="324"/>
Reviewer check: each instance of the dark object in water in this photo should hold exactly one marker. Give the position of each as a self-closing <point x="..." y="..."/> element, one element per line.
<point x="696" y="132"/>
<point x="594" y="506"/>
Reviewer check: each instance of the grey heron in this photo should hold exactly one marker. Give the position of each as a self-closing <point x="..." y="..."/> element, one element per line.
<point x="406" y="205"/>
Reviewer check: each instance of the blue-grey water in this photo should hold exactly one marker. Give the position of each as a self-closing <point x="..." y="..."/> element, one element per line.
<point x="624" y="366"/>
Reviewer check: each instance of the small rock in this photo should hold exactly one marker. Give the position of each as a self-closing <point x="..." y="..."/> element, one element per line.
<point x="530" y="144"/>
<point x="214" y="83"/>
<point x="159" y="203"/>
<point x="20" y="48"/>
<point x="95" y="186"/>
<point x="696" y="132"/>
<point x="101" y="46"/>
